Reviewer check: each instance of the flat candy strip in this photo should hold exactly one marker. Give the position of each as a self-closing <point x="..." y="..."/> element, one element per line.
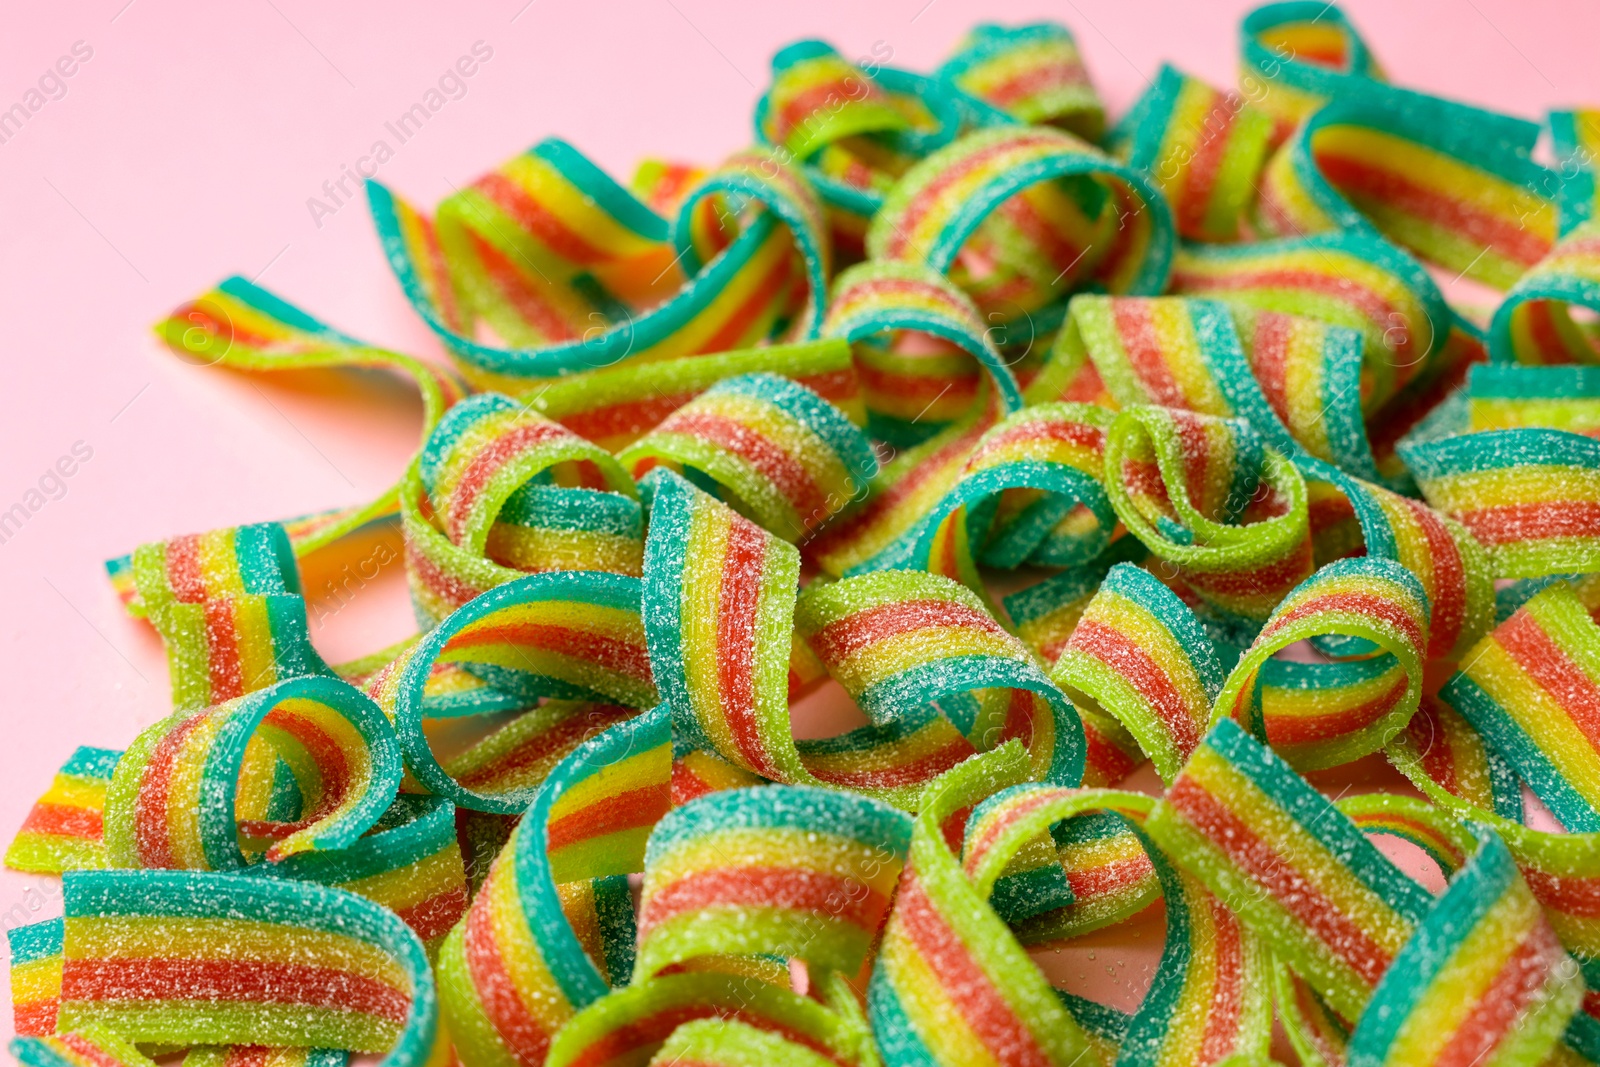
<point x="173" y="802"/>
<point x="1532" y="689"/>
<point x="185" y="957"/>
<point x="242" y="326"/>
<point x="65" y="830"/>
<point x="229" y="608"/>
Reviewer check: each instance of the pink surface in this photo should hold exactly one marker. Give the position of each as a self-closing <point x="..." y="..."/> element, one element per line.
<point x="186" y="148"/>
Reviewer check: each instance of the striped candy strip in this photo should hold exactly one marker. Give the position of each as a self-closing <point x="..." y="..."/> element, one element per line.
<point x="65" y="829"/>
<point x="719" y="605"/>
<point x="477" y="473"/>
<point x="35" y="977"/>
<point x="410" y="862"/>
<point x="1532" y="689"/>
<point x="1296" y="55"/>
<point x="1029" y="492"/>
<point x="1504" y="396"/>
<point x="1109" y="872"/>
<point x="905" y="639"/>
<point x="699" y="773"/>
<point x="772" y="449"/>
<point x="573" y="635"/>
<point x="1575" y="142"/>
<point x="1139" y="654"/>
<point x="911" y="395"/>
<point x="1032" y="73"/>
<point x="552" y="928"/>
<point x="1202" y="147"/>
<point x="1185" y="353"/>
<point x="1334" y="713"/>
<point x="719" y="597"/>
<point x="556" y="528"/>
<point x="229" y="608"/>
<point x="175" y="799"/>
<point x="937" y="205"/>
<point x="1534" y="323"/>
<point x="1209" y="499"/>
<point x="1486" y="936"/>
<point x="793" y="871"/>
<point x="1210" y="997"/>
<point x="1479" y="971"/>
<point x="1418" y="176"/>
<point x="906" y="488"/>
<point x="1345" y="278"/>
<point x="631" y="1024"/>
<point x="575" y="273"/>
<point x="1530" y="496"/>
<point x="516" y="757"/>
<point x="853" y="128"/>
<point x="817" y="97"/>
<point x="241" y="326"/>
<point x="615" y="406"/>
<point x="184" y="957"/>
<point x="1457" y="759"/>
<point x="952" y="985"/>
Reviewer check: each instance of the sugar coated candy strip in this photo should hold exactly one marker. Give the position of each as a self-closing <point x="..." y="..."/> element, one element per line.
<point x="188" y="957"/>
<point x="174" y="800"/>
<point x="65" y="828"/>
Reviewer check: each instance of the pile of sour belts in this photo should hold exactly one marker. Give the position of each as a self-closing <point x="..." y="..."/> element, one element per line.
<point x="1060" y="446"/>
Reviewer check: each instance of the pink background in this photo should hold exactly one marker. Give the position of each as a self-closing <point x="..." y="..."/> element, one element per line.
<point x="186" y="148"/>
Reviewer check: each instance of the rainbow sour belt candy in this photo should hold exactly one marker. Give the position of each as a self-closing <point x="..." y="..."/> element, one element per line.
<point x="808" y="553"/>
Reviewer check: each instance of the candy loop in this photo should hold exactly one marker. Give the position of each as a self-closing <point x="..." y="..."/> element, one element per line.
<point x="572" y="270"/>
<point x="1138" y="653"/>
<point x="880" y="299"/>
<point x="552" y="927"/>
<point x="939" y="203"/>
<point x="1031" y="74"/>
<point x="572" y="635"/>
<point x="1353" y="708"/>
<point x="1187" y="486"/>
<point x="175" y="801"/>
<point x="770" y="447"/>
<point x="1373" y="944"/>
<point x="1294" y="56"/>
<point x="905" y="639"/>
<point x="790" y="871"/>
<point x="1534" y="323"/>
<point x="1209" y="997"/>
